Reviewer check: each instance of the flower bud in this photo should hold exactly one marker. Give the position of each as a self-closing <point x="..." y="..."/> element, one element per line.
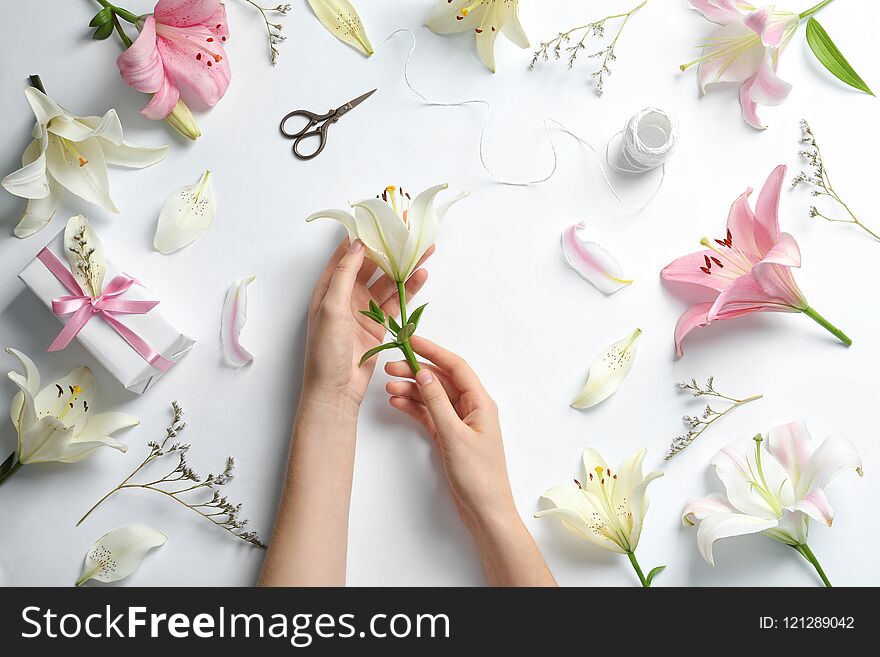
<point x="182" y="120"/>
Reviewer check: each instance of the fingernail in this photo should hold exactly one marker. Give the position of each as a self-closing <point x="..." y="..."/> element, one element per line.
<point x="424" y="377"/>
<point x="356" y="246"/>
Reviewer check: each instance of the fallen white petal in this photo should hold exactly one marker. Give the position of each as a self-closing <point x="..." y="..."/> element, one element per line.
<point x="608" y="371"/>
<point x="592" y="262"/>
<point x="342" y="21"/>
<point x="232" y="322"/>
<point x="79" y="238"/>
<point x="186" y="215"/>
<point x="118" y="554"/>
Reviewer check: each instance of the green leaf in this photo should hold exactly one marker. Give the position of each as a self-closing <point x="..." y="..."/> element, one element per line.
<point x="373" y="316"/>
<point x="375" y="350"/>
<point x="104" y="30"/>
<point x="406" y="332"/>
<point x="831" y="58"/>
<point x="393" y="325"/>
<point x="417" y="315"/>
<point x="654" y="572"/>
<point x="101" y="17"/>
<point x="377" y="310"/>
<point x="6" y="466"/>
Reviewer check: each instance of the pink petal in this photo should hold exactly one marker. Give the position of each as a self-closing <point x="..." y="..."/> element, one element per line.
<point x="723" y="64"/>
<point x="687" y="270"/>
<point x="162" y="103"/>
<point x="771" y="30"/>
<point x="791" y="445"/>
<point x="779" y="284"/>
<point x="232" y="322"/>
<point x="767" y="210"/>
<point x="746" y="295"/>
<point x="749" y="106"/>
<point x="185" y="13"/>
<point x="786" y="252"/>
<point x="817" y="506"/>
<point x="741" y="224"/>
<point x="693" y="317"/>
<point x="717" y="11"/>
<point x="767" y="87"/>
<point x="699" y="508"/>
<point x="196" y="60"/>
<point x="140" y="65"/>
<point x="592" y="262"/>
<point x="218" y="24"/>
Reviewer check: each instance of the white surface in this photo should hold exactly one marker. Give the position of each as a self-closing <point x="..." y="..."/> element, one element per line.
<point x="500" y="291"/>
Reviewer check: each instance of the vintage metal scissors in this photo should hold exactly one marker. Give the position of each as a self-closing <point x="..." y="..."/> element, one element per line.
<point x="317" y="126"/>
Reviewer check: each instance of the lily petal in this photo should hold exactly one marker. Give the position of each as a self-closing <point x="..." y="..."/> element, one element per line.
<point x="141" y="65"/>
<point x="729" y="57"/>
<point x="187" y="213"/>
<point x="45" y="440"/>
<point x="342" y="21"/>
<point x="119" y="153"/>
<point x="487" y="33"/>
<point x="37" y="214"/>
<point x="571" y="506"/>
<point x="30" y="181"/>
<point x="834" y="456"/>
<point x="382" y="231"/>
<point x="697" y="316"/>
<point x="233" y="321"/>
<point x="117" y="554"/>
<point x="446" y="17"/>
<point x="768" y="88"/>
<point x="102" y="425"/>
<point x="717" y="11"/>
<point x="184" y="13"/>
<point x="724" y="525"/>
<point x="791" y="445"/>
<point x="195" y="61"/>
<point x="592" y="262"/>
<point x="737" y="469"/>
<point x="700" y="508"/>
<point x="68" y="398"/>
<point x="511" y="26"/>
<point x="45" y="109"/>
<point x="816" y="505"/>
<point x="608" y="371"/>
<point x="767" y="209"/>
<point x="82" y="170"/>
<point x="22" y="411"/>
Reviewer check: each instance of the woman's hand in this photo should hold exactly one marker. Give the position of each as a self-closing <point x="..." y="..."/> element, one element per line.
<point x="339" y="334"/>
<point x="448" y="399"/>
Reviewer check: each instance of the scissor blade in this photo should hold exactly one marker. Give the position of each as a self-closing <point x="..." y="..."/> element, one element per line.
<point x="357" y="101"/>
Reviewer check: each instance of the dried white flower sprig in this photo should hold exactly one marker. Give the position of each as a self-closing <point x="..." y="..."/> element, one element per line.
<point x="182" y="483"/>
<point x="560" y="43"/>
<point x="273" y="28"/>
<point x="698" y="424"/>
<point x="818" y="179"/>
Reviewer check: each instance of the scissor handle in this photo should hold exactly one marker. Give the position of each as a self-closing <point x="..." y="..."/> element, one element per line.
<point x="307" y="132"/>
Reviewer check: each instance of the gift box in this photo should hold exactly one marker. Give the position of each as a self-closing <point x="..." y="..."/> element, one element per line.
<point x="121" y="341"/>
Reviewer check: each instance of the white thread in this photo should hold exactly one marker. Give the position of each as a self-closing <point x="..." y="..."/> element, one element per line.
<point x="640" y="151"/>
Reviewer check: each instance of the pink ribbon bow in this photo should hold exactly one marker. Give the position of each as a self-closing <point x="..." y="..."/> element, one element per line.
<point x="83" y="307"/>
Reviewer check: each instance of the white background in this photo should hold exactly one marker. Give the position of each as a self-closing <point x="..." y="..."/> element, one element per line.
<point x="500" y="291"/>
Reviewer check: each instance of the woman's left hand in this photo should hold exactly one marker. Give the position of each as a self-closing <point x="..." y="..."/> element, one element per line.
<point x="339" y="334"/>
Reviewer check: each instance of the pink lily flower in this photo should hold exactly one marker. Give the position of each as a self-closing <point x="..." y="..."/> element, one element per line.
<point x="179" y="51"/>
<point x="746" y="49"/>
<point x="749" y="270"/>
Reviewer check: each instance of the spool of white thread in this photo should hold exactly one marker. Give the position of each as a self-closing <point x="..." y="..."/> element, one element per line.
<point x="645" y="143"/>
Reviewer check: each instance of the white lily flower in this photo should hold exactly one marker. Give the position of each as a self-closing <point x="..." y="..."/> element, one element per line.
<point x="773" y="489"/>
<point x="608" y="507"/>
<point x="487" y="18"/>
<point x="57" y="423"/>
<point x="117" y="554"/>
<point x="608" y="371"/>
<point x="395" y="229"/>
<point x="342" y="21"/>
<point x="73" y="153"/>
<point x="186" y="215"/>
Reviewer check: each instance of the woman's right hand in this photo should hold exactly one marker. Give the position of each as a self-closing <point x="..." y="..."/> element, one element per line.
<point x="448" y="399"/>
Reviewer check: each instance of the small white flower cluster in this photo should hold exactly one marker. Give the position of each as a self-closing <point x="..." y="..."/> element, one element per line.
<point x="273" y="29"/>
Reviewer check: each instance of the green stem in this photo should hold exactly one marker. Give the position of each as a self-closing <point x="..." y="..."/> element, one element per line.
<point x="807" y="554"/>
<point x="124" y="14"/>
<point x="10" y="467"/>
<point x="816" y="317"/>
<point x="405" y="346"/>
<point x="126" y="41"/>
<point x="637" y="568"/>
<point x="812" y="10"/>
